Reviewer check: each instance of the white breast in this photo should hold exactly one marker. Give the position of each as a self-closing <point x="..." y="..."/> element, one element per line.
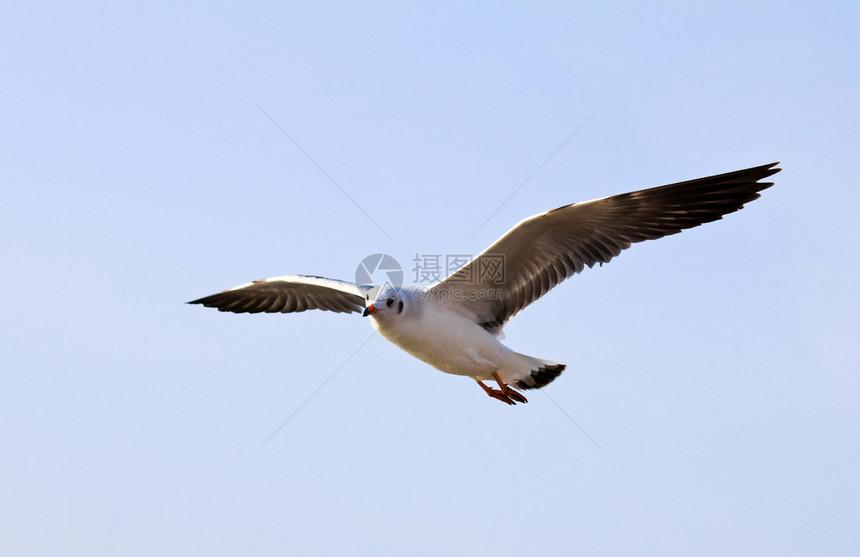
<point x="446" y="340"/>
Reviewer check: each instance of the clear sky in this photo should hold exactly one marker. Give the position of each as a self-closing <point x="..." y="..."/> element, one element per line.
<point x="717" y="370"/>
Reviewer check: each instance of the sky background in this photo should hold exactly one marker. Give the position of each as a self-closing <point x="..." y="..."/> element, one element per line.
<point x="143" y="166"/>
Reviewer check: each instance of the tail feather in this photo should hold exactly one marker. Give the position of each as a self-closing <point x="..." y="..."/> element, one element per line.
<point x="542" y="373"/>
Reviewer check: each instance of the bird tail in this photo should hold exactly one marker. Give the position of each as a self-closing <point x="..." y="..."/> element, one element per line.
<point x="540" y="373"/>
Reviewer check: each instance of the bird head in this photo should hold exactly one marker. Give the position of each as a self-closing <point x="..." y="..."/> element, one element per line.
<point x="389" y="303"/>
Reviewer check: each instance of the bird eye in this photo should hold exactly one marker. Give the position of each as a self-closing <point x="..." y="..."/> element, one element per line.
<point x="400" y="306"/>
<point x="389" y="302"/>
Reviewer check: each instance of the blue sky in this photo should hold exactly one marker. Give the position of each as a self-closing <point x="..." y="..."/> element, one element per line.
<point x="716" y="369"/>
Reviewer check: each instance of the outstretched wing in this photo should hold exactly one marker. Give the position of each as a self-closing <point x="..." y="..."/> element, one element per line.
<point x="288" y="294"/>
<point x="543" y="250"/>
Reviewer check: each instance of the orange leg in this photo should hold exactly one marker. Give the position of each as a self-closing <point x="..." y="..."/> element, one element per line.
<point x="505" y="393"/>
<point x="509" y="392"/>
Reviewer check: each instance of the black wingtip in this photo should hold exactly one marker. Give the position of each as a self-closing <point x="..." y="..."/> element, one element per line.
<point x="542" y="376"/>
<point x="768" y="169"/>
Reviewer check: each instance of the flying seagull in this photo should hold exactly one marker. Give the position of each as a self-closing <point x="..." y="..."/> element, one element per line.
<point x="455" y="325"/>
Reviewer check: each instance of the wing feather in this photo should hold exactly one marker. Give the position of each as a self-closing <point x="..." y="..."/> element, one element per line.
<point x="540" y="252"/>
<point x="289" y="294"/>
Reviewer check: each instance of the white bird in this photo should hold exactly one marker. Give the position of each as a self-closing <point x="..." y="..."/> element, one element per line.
<point x="455" y="324"/>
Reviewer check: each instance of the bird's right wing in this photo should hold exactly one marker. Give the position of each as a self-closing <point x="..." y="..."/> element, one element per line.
<point x="289" y="294"/>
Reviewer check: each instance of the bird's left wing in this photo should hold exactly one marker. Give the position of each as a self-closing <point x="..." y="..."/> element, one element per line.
<point x="289" y="294"/>
<point x="541" y="251"/>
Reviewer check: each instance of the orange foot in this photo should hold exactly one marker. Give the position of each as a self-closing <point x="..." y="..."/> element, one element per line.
<point x="505" y="393"/>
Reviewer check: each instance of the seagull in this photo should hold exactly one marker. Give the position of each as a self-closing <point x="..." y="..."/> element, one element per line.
<point x="456" y="324"/>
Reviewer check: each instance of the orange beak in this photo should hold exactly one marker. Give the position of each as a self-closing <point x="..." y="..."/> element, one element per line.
<point x="369" y="310"/>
